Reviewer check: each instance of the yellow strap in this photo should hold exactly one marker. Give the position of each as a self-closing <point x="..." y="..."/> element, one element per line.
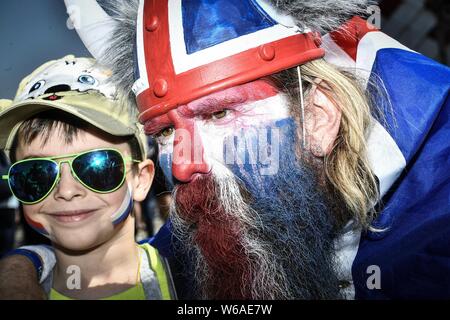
<point x="158" y="267"/>
<point x="55" y="295"/>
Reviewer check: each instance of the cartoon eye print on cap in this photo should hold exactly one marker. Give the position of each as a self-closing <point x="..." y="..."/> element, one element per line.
<point x="37" y="85"/>
<point x="74" y="75"/>
<point x="87" y="79"/>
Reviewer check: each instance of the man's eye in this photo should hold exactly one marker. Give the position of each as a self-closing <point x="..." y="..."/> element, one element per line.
<point x="167" y="132"/>
<point x="220" y="114"/>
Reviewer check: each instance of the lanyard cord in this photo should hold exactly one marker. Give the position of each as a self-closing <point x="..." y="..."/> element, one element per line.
<point x="302" y="107"/>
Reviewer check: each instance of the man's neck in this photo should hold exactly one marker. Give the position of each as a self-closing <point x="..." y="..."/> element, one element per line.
<point x="107" y="269"/>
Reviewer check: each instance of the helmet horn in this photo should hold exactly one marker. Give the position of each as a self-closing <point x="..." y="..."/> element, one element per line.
<point x="92" y="23"/>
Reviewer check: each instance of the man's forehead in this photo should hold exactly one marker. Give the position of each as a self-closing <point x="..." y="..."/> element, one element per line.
<point x="241" y="94"/>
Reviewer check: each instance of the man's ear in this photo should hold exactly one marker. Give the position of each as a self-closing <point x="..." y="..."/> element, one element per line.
<point x="322" y="122"/>
<point x="143" y="179"/>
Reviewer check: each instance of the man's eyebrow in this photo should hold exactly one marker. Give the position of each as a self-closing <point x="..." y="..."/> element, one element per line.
<point x="155" y="125"/>
<point x="211" y="105"/>
<point x="207" y="106"/>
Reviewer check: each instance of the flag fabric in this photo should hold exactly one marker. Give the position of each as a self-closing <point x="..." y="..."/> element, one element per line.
<point x="410" y="154"/>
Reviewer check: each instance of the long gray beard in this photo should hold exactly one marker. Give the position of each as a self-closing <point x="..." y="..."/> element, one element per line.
<point x="255" y="244"/>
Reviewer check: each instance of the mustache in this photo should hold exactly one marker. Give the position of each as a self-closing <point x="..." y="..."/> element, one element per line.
<point x="209" y="198"/>
<point x="205" y="218"/>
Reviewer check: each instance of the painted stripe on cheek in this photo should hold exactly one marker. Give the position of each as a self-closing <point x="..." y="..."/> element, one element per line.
<point x="36" y="226"/>
<point x="125" y="208"/>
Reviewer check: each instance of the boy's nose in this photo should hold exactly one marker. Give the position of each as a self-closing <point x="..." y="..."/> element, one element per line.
<point x="68" y="186"/>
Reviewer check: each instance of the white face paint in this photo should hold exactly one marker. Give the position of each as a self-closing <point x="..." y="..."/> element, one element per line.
<point x="256" y="118"/>
<point x="125" y="208"/>
<point x="232" y="127"/>
<point x="67" y="75"/>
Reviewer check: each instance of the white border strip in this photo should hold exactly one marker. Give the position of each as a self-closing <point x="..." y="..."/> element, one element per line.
<point x="141" y="84"/>
<point x="183" y="62"/>
<point x="367" y="52"/>
<point x="385" y="157"/>
<point x="334" y="54"/>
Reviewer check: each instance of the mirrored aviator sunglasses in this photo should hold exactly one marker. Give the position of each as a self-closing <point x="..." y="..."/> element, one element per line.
<point x="100" y="170"/>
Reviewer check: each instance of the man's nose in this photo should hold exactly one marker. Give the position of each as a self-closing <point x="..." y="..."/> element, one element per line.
<point x="68" y="186"/>
<point x="188" y="153"/>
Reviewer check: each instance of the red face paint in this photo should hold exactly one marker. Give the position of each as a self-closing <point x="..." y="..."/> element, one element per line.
<point x="36" y="225"/>
<point x="219" y="238"/>
<point x="187" y="145"/>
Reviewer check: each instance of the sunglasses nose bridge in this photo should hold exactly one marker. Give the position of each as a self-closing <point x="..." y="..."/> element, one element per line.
<point x="59" y="164"/>
<point x="69" y="163"/>
<point x="67" y="183"/>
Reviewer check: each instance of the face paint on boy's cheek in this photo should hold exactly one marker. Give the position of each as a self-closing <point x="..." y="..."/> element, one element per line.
<point x="117" y="217"/>
<point x="36" y="226"/>
<point x="125" y="208"/>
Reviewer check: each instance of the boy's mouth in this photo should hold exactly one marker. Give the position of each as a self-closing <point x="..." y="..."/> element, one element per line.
<point x="72" y="216"/>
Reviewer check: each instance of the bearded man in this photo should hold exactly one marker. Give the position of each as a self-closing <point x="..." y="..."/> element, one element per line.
<point x="301" y="167"/>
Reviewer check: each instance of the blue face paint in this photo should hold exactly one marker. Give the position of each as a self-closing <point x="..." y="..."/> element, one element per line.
<point x="125" y="208"/>
<point x="294" y="213"/>
<point x="36" y="226"/>
<point x="253" y="150"/>
<point x="260" y="155"/>
<point x="165" y="163"/>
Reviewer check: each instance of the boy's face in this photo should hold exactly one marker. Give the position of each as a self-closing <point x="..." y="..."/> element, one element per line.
<point x="75" y="217"/>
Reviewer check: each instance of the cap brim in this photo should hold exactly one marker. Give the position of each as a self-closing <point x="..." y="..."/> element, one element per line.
<point x="12" y="118"/>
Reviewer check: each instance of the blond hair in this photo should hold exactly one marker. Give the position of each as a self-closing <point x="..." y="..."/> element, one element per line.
<point x="346" y="167"/>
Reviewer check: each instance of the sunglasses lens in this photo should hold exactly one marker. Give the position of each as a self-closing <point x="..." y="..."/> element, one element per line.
<point x="31" y="180"/>
<point x="101" y="170"/>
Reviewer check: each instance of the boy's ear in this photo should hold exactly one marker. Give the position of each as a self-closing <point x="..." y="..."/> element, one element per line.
<point x="143" y="179"/>
<point x="323" y="122"/>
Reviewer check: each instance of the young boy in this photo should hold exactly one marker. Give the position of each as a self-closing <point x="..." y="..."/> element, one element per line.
<point x="78" y="164"/>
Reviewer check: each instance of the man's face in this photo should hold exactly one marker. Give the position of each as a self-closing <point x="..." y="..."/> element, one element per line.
<point x="251" y="216"/>
<point x="196" y="138"/>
